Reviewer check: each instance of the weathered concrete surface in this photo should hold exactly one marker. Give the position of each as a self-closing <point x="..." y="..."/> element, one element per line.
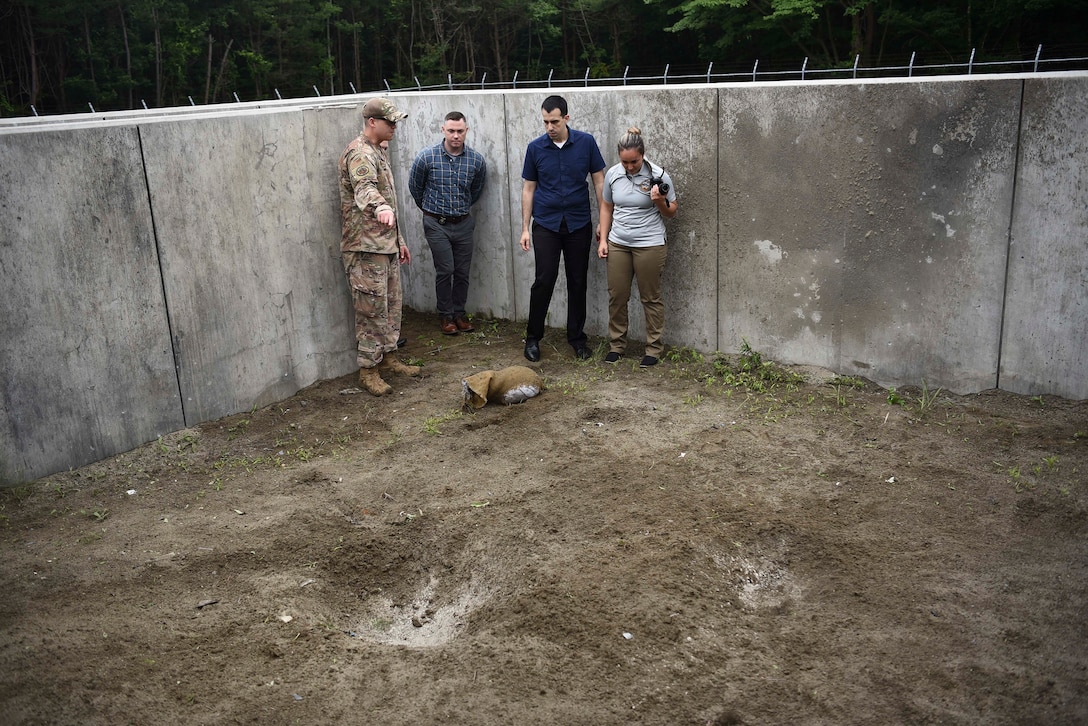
<point x="1045" y="339"/>
<point x="588" y="112"/>
<point x="864" y="226"/>
<point x="685" y="150"/>
<point x="491" y="283"/>
<point x="688" y="152"/>
<point x="251" y="273"/>
<point x="87" y="370"/>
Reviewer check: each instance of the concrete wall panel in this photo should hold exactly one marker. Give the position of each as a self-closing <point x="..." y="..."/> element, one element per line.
<point x="1045" y="342"/>
<point x="863" y="226"/>
<point x="247" y="284"/>
<point x="82" y="319"/>
<point x="491" y="283"/>
<point x="328" y="130"/>
<point x="689" y="282"/>
<point x="679" y="127"/>
<point x="589" y="112"/>
<point x="868" y="225"/>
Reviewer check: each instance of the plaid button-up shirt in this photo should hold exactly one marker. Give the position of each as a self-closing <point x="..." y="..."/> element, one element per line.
<point x="447" y="185"/>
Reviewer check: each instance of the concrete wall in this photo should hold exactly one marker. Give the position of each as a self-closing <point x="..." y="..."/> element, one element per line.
<point x="164" y="269"/>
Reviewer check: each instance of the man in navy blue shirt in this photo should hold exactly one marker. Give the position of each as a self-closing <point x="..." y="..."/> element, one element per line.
<point x="555" y="198"/>
<point x="445" y="181"/>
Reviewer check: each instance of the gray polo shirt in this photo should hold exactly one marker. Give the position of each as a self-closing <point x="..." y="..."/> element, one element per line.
<point x="635" y="220"/>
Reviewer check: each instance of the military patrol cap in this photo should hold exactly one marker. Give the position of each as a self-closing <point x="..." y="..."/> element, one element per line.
<point x="382" y="108"/>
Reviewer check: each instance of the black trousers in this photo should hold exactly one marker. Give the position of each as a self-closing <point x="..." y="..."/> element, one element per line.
<point x="548" y="247"/>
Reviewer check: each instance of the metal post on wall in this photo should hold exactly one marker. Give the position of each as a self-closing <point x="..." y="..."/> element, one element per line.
<point x="665" y="78"/>
<point x="586" y="79"/>
<point x="515" y="81"/>
<point x="709" y="68"/>
<point x="449" y="80"/>
<point x="278" y="94"/>
<point x="625" y="69"/>
<point x="316" y="92"/>
<point x="1038" y="52"/>
<point x="803" y="67"/>
<point x="352" y="85"/>
<point x="550" y="72"/>
<point x="238" y="100"/>
<point x="856" y="59"/>
<point x="483" y="81"/>
<point x="191" y="103"/>
<point x="971" y="62"/>
<point x="754" y="67"/>
<point x="910" y="68"/>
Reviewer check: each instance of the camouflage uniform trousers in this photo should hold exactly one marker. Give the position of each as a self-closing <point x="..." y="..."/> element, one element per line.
<point x="376" y="296"/>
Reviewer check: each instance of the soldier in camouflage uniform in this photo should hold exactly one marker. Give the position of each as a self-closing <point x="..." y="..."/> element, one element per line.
<point x="372" y="247"/>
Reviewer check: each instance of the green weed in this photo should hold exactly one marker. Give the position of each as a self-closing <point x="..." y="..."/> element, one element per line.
<point x="431" y="425"/>
<point x="749" y="370"/>
<point x="927" y="398"/>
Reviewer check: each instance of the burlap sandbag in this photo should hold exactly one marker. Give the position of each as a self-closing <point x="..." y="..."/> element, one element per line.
<point x="515" y="384"/>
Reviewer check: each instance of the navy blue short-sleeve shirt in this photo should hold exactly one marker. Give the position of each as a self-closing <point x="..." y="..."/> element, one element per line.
<point x="560" y="173"/>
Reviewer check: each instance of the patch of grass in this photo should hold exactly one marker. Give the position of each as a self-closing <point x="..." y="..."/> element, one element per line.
<point x="749" y="370"/>
<point x="566" y="386"/>
<point x="304" y="453"/>
<point x="894" y="398"/>
<point x="693" y="400"/>
<point x="431" y="424"/>
<point x="927" y="398"/>
<point x="485" y="328"/>
<point x="840" y="397"/>
<point x="235" y="431"/>
<point x="683" y="355"/>
<point x="98" y="515"/>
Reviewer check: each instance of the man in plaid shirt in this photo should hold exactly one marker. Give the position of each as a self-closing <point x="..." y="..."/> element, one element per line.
<point x="445" y="181"/>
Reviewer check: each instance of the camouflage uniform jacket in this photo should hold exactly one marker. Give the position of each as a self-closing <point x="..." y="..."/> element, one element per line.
<point x="366" y="186"/>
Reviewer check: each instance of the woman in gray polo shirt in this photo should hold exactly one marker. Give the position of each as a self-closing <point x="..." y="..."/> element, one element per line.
<point x="638" y="198"/>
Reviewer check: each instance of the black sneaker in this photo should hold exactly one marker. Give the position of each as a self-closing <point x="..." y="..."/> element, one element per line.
<point x="647" y="361"/>
<point x="612" y="357"/>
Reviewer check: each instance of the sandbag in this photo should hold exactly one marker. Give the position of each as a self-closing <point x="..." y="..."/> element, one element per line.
<point x="508" y="386"/>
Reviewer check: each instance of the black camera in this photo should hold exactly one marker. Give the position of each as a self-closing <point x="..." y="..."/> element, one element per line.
<point x="662" y="187"/>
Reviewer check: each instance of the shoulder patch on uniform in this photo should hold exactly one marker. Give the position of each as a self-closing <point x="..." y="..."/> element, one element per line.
<point x="363" y="169"/>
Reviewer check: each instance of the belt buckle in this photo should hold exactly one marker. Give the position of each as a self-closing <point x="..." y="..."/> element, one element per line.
<point x="442" y="220"/>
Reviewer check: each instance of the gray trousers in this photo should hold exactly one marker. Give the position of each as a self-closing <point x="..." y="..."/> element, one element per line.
<point x="451" y="247"/>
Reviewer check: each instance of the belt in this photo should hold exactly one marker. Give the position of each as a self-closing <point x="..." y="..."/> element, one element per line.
<point x="446" y="219"/>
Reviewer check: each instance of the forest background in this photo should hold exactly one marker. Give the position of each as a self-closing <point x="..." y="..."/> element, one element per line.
<point x="59" y="56"/>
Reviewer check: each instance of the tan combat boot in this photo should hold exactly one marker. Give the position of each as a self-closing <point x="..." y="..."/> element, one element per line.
<point x="390" y="363"/>
<point x="371" y="380"/>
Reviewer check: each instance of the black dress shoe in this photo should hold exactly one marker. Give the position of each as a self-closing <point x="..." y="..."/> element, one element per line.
<point x="532" y="350"/>
<point x="581" y="352"/>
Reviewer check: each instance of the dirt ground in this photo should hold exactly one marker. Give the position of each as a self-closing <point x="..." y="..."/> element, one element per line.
<point x="697" y="543"/>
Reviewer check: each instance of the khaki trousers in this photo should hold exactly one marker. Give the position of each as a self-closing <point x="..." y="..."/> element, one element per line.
<point x="645" y="265"/>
